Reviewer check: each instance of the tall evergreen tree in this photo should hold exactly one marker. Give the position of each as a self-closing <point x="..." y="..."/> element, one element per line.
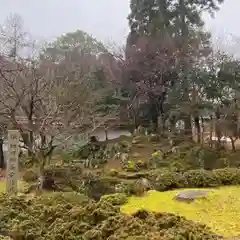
<point x="179" y="20"/>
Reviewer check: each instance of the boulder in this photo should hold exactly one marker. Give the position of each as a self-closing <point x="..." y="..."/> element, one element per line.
<point x="140" y="186"/>
<point x="146" y="183"/>
<point x="190" y="195"/>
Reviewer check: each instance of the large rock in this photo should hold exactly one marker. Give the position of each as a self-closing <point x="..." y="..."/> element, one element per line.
<point x="190" y="195"/>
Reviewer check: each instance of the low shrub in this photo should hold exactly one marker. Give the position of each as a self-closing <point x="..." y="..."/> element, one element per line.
<point x="23" y="218"/>
<point x="201" y="178"/>
<point x="96" y="186"/>
<point x="66" y="177"/>
<point x="167" y="180"/>
<point x="123" y="187"/>
<point x="228" y="176"/>
<point x="195" y="156"/>
<point x="115" y="199"/>
<point x="55" y="198"/>
<point x="177" y="166"/>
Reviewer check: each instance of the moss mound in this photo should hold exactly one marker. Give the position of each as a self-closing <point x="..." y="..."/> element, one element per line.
<point x="56" y="217"/>
<point x="220" y="210"/>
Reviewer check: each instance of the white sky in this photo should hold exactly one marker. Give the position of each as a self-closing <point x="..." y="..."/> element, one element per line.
<point x="105" y="19"/>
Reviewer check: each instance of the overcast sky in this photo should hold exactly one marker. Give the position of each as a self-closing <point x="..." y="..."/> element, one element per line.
<point x="105" y="19"/>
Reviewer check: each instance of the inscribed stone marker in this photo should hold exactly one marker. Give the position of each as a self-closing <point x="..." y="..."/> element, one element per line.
<point x="12" y="161"/>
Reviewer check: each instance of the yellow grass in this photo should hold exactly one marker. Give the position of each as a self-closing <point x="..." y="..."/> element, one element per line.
<point x="220" y="210"/>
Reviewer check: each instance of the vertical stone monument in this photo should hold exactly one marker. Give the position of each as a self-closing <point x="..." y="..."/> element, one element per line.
<point x="12" y="162"/>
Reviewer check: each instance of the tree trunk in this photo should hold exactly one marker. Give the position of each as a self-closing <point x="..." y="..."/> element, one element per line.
<point x="44" y="181"/>
<point x="2" y="162"/>
<point x="202" y="131"/>
<point x="28" y="141"/>
<point x="188" y="127"/>
<point x="184" y="65"/>
<point x="155" y="123"/>
<point x="211" y="132"/>
<point x="133" y="115"/>
<point x="233" y="144"/>
<point x="106" y="133"/>
<point x="218" y="129"/>
<point x="197" y="125"/>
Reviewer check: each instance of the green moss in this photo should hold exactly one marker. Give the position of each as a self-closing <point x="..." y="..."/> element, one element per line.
<point x="220" y="210"/>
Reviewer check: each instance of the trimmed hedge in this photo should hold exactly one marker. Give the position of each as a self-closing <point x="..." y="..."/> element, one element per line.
<point x="167" y="180"/>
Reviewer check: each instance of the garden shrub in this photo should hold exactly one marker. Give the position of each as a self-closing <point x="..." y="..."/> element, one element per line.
<point x="195" y="156"/>
<point x="201" y="178"/>
<point x="177" y="166"/>
<point x="164" y="180"/>
<point x="96" y="186"/>
<point x="27" y="219"/>
<point x="123" y="187"/>
<point x="132" y="175"/>
<point x="56" y="198"/>
<point x="210" y="158"/>
<point x="233" y="159"/>
<point x="66" y="177"/>
<point x="228" y="176"/>
<point x="169" y="180"/>
<point x="115" y="199"/>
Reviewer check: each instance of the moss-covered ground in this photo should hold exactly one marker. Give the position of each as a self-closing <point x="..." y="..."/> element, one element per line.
<point x="220" y="210"/>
